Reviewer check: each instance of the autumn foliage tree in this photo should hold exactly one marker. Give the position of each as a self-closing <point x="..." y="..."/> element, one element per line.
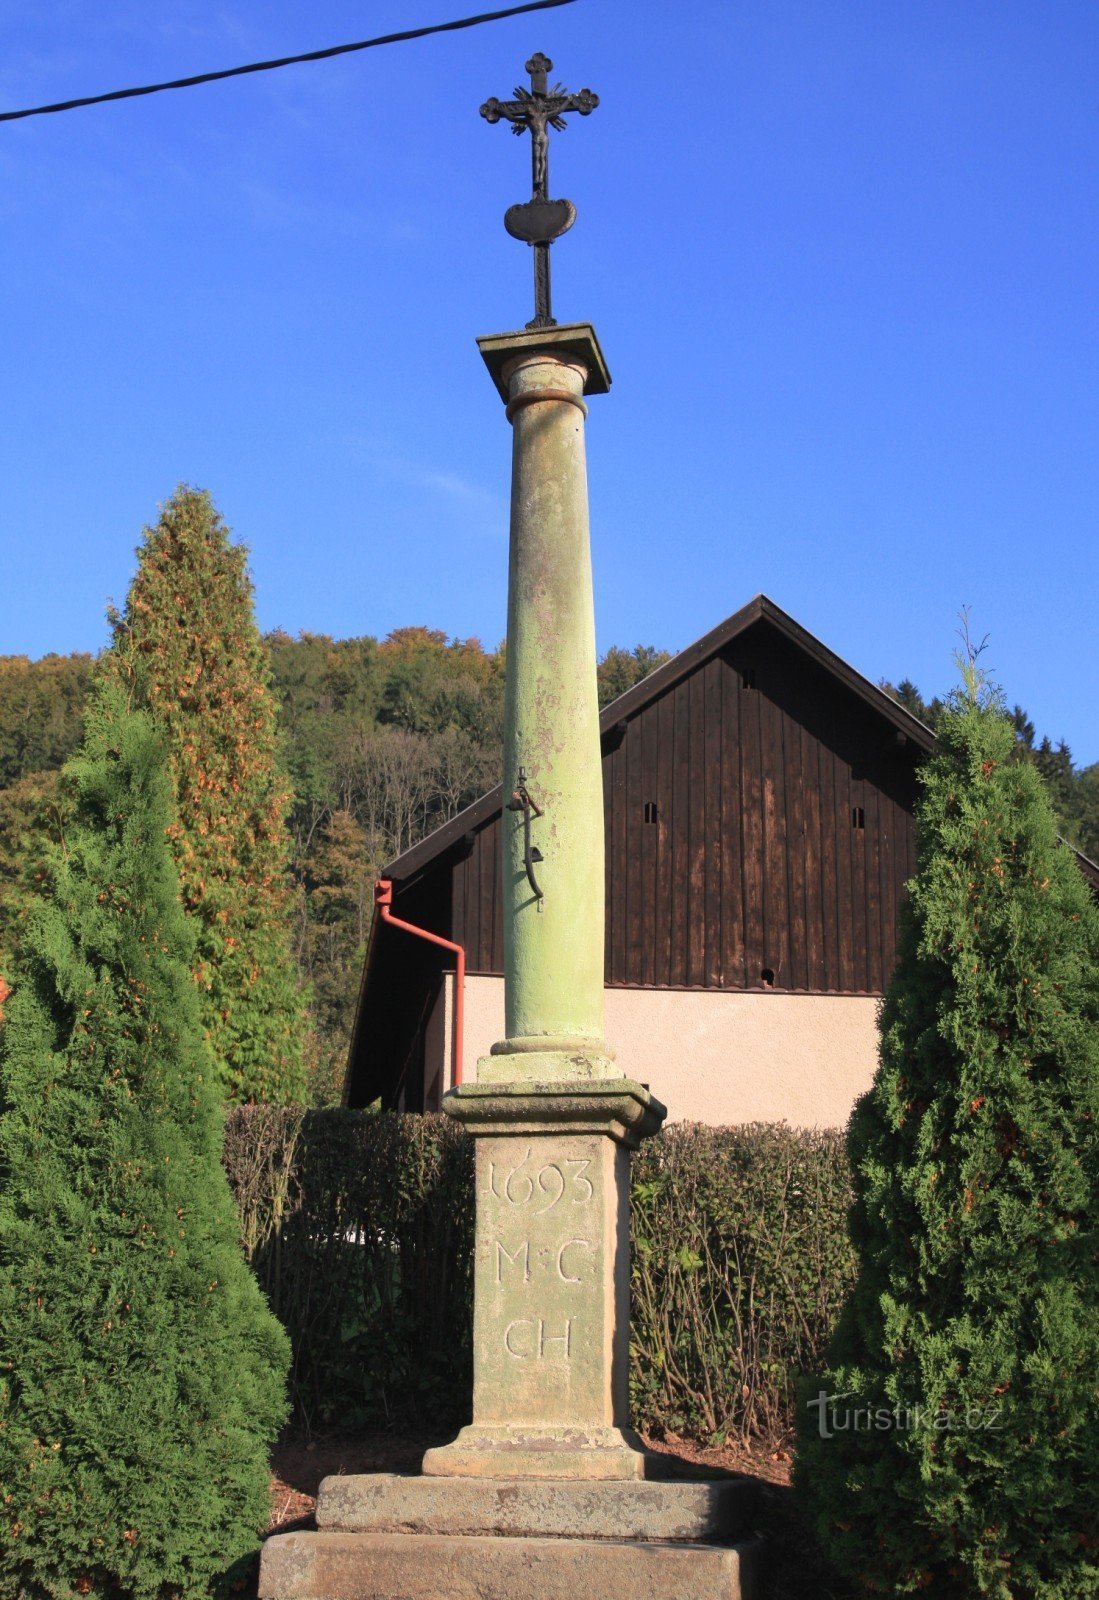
<point x="142" y="1374"/>
<point x="187" y="648"/>
<point x="953" y="1445"/>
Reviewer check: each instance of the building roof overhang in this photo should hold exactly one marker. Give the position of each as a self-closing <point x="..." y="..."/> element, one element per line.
<point x="413" y="861"/>
<point x="454" y="835"/>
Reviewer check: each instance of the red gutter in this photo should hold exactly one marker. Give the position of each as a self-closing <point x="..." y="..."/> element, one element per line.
<point x="383" y="899"/>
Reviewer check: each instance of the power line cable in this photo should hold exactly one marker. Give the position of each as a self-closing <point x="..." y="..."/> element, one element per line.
<point x="285" y="61"/>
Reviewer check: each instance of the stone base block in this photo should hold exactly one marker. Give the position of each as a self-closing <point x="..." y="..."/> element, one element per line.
<point x="396" y="1566"/>
<point x="585" y="1060"/>
<point x="719" y="1509"/>
<point x="480" y="1451"/>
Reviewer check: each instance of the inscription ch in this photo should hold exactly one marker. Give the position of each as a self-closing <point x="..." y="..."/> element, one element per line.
<point x="529" y="1339"/>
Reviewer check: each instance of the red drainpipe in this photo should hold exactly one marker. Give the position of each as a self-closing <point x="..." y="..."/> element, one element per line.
<point x="383" y="899"/>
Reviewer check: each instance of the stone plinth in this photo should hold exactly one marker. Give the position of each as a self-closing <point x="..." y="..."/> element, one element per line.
<point x="395" y="1566"/>
<point x="551" y="1280"/>
<point x="719" y="1509"/>
<point x="387" y="1537"/>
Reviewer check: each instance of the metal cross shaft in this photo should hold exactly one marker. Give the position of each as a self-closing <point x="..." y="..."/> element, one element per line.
<point x="540" y="220"/>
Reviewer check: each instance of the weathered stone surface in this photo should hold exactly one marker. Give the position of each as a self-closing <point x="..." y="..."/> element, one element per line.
<point x="553" y="927"/>
<point x="616" y="1106"/>
<point x="387" y="1503"/>
<point x="551" y="1280"/>
<point x="577" y="1058"/>
<point x="513" y="1450"/>
<point x="551" y="1313"/>
<point x="395" y="1566"/>
<point x="569" y="339"/>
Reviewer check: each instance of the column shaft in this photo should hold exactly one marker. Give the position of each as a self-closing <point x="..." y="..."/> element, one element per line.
<point x="553" y="1119"/>
<point x="553" y="946"/>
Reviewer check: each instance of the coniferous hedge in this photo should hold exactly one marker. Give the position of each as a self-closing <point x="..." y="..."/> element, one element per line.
<point x="952" y="1444"/>
<point x="141" y="1373"/>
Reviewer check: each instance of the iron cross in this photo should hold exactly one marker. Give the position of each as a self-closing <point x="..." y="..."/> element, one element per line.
<point x="540" y="220"/>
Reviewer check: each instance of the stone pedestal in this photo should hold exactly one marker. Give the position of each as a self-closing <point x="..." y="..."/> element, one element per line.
<point x="551" y="1280"/>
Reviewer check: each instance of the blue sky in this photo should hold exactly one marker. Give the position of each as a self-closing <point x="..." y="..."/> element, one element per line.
<point x="842" y="257"/>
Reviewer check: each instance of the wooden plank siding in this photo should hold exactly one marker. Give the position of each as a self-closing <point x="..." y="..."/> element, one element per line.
<point x="751" y="754"/>
<point x="761" y="768"/>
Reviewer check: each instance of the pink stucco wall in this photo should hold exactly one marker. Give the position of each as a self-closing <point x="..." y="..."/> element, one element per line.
<point x="711" y="1056"/>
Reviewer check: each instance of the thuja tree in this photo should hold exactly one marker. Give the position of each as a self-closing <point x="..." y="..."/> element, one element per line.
<point x="952" y="1445"/>
<point x="188" y="648"/>
<point x="141" y="1371"/>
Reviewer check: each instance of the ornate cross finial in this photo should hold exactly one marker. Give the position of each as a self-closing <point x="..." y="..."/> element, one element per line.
<point x="540" y="220"/>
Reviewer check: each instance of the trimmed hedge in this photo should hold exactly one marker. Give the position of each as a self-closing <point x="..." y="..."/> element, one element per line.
<point x="741" y="1264"/>
<point x="360" y="1228"/>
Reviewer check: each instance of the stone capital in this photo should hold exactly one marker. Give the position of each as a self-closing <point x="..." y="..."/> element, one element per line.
<point x="573" y="343"/>
<point x="618" y="1107"/>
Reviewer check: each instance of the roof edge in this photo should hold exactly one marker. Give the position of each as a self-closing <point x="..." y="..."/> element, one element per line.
<point x="635" y="699"/>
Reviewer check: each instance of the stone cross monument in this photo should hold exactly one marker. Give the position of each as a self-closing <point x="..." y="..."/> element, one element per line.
<point x="553" y="1117"/>
<point x="540" y="220"/>
<point x="547" y="1490"/>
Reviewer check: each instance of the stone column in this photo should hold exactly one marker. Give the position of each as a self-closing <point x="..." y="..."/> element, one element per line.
<point x="512" y="1507"/>
<point x="553" y="1117"/>
<point x="553" y="945"/>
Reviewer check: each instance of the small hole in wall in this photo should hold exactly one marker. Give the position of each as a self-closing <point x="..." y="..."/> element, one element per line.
<point x="858" y="817"/>
<point x="767" y="977"/>
<point x="748" y="678"/>
<point x="651" y="812"/>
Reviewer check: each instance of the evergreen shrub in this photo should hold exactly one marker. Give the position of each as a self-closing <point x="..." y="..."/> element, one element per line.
<point x="188" y="650"/>
<point x="141" y="1373"/>
<point x="360" y="1227"/>
<point x="952" y="1443"/>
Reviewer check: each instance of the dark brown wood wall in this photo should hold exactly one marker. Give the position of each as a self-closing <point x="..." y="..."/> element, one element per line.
<point x="756" y="763"/>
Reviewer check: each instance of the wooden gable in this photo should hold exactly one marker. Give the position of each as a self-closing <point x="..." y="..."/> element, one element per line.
<point x="759" y="832"/>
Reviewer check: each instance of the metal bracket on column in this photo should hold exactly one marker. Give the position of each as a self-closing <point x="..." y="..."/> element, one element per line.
<point x="521" y="801"/>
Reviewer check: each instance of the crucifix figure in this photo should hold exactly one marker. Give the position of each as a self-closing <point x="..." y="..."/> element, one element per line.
<point x="540" y="220"/>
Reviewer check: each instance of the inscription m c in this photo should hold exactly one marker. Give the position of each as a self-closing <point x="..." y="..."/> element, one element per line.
<point x="521" y="1253"/>
<point x="570" y="1244"/>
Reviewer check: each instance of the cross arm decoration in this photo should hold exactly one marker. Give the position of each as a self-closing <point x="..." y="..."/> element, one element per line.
<point x="540" y="220"/>
<point x="535" y="109"/>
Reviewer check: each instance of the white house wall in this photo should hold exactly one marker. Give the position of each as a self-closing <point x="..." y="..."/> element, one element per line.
<point x="716" y="1056"/>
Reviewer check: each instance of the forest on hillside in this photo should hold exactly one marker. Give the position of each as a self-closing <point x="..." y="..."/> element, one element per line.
<point x="382" y="740"/>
